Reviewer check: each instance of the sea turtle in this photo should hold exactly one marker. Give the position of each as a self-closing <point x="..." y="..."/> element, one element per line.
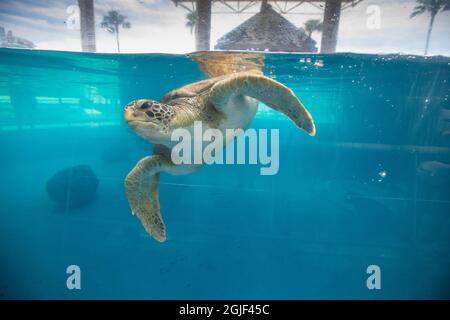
<point x="227" y="101"/>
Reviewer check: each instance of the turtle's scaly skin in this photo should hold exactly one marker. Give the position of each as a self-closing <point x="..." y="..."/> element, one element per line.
<point x="198" y="108"/>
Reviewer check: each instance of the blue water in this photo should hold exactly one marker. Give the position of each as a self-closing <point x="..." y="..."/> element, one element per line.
<point x="372" y="188"/>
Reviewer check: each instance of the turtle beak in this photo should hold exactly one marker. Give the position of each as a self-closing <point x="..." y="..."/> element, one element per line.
<point x="129" y="110"/>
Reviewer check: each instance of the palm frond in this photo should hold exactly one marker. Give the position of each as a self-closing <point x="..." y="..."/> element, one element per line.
<point x="191" y="18"/>
<point x="418" y="10"/>
<point x="446" y="5"/>
<point x="312" y="25"/>
<point x="112" y="20"/>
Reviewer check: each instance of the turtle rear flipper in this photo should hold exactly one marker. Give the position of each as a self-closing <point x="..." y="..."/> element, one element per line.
<point x="141" y="186"/>
<point x="270" y="92"/>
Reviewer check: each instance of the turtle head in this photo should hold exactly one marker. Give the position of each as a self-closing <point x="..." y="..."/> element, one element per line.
<point x="150" y="119"/>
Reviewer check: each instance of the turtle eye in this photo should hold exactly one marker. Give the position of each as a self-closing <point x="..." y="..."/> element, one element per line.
<point x="145" y="105"/>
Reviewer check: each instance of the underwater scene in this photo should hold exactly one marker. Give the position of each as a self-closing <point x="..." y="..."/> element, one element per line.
<point x="371" y="188"/>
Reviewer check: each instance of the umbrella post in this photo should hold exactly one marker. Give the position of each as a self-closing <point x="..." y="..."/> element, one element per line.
<point x="331" y="19"/>
<point x="203" y="27"/>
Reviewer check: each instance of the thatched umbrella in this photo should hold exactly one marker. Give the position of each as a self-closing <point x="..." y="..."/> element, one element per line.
<point x="267" y="30"/>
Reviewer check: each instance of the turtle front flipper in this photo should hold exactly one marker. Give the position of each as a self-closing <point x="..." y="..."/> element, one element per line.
<point x="141" y="186"/>
<point x="270" y="92"/>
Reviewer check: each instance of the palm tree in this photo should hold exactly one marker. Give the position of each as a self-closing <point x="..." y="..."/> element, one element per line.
<point x="433" y="7"/>
<point x="191" y="20"/>
<point x="112" y="21"/>
<point x="312" y="26"/>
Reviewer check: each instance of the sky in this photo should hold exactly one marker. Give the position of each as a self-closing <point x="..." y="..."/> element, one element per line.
<point x="372" y="26"/>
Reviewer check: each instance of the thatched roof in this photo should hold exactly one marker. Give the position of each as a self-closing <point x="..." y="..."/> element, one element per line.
<point x="267" y="30"/>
